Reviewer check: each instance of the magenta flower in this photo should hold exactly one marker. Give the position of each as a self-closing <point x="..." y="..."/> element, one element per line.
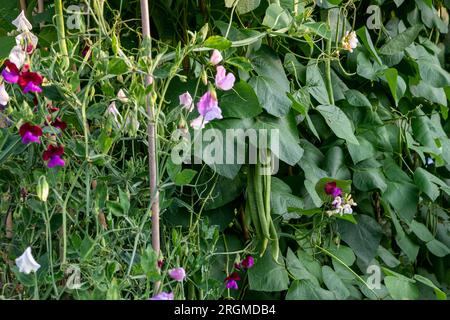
<point x="332" y="189"/>
<point x="11" y="72"/>
<point x="30" y="133"/>
<point x="186" y="101"/>
<point x="53" y="156"/>
<point x="30" y="81"/>
<point x="232" y="284"/>
<point x="163" y="296"/>
<point x="177" y="274"/>
<point x="58" y="123"/>
<point x="248" y="262"/>
<point x="216" y="57"/>
<point x="231" y="281"/>
<point x="224" y="81"/>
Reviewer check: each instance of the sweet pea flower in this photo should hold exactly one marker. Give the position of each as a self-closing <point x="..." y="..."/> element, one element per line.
<point x="248" y="262"/>
<point x="53" y="156"/>
<point x="30" y="81"/>
<point x="122" y="96"/>
<point x="232" y="284"/>
<point x="58" y="123"/>
<point x="208" y="107"/>
<point x="4" y="96"/>
<point x="231" y="281"/>
<point x="21" y="23"/>
<point x="177" y="274"/>
<point x="163" y="296"/>
<point x="26" y="262"/>
<point x="337" y="202"/>
<point x="332" y="189"/>
<point x="112" y="110"/>
<point x="224" y="81"/>
<point x="216" y="57"/>
<point x="349" y="41"/>
<point x="30" y="133"/>
<point x="186" y="101"/>
<point x="11" y="72"/>
<point x="198" y="123"/>
<point x="28" y="41"/>
<point x="17" y="56"/>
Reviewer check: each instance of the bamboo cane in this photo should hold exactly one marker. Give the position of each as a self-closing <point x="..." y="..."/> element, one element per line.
<point x="151" y="141"/>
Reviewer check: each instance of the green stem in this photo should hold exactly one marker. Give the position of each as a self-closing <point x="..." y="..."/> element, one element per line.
<point x="61" y="34"/>
<point x="49" y="247"/>
<point x="36" y="288"/>
<point x="328" y="83"/>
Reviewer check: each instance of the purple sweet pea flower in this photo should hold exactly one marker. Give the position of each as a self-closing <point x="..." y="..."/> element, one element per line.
<point x="177" y="274"/>
<point x="231" y="281"/>
<point x="224" y="81"/>
<point x="53" y="156"/>
<point x="163" y="296"/>
<point x="56" y="161"/>
<point x="30" y="133"/>
<point x="248" y="262"/>
<point x="11" y="72"/>
<point x="30" y="86"/>
<point x="208" y="107"/>
<point x="332" y="190"/>
<point x="232" y="284"/>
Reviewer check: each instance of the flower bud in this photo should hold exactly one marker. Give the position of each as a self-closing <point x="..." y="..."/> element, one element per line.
<point x="42" y="189"/>
<point x="204" y="77"/>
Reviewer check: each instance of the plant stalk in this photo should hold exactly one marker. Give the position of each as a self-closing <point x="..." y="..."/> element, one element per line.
<point x="61" y="34"/>
<point x="151" y="140"/>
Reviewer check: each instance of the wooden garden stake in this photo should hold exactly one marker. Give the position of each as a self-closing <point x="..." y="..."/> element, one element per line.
<point x="151" y="139"/>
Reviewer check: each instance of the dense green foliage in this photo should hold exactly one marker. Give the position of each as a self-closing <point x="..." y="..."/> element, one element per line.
<point x="374" y="120"/>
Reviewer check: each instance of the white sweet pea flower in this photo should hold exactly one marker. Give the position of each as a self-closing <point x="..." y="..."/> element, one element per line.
<point x="347" y="209"/>
<point x="25" y="39"/>
<point x="112" y="110"/>
<point x="17" y="56"/>
<point x="122" y="96"/>
<point x="4" y="96"/>
<point x="21" y="23"/>
<point x="26" y="262"/>
<point x="349" y="41"/>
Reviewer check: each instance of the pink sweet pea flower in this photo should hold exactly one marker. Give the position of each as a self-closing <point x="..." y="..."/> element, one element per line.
<point x="186" y="101"/>
<point x="216" y="57"/>
<point x="177" y="274"/>
<point x="208" y="107"/>
<point x="224" y="81"/>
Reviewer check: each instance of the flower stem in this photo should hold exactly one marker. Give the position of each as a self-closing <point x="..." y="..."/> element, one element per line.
<point x="328" y="74"/>
<point x="61" y="34"/>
